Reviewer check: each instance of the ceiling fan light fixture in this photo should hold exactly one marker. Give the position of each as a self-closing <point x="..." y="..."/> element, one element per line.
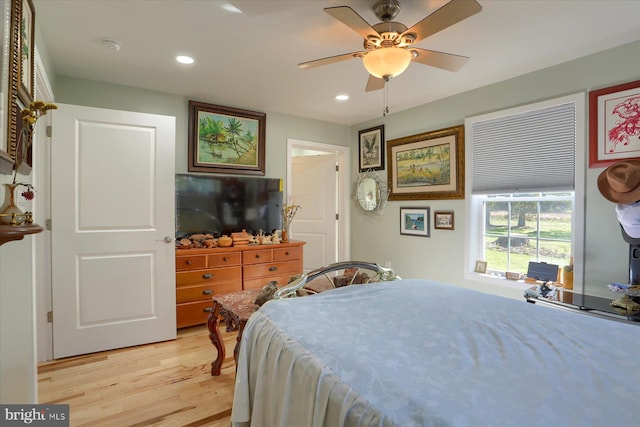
<point x="387" y="62"/>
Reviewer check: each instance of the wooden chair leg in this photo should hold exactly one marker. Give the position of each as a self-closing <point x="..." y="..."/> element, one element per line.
<point x="236" y="349"/>
<point x="216" y="339"/>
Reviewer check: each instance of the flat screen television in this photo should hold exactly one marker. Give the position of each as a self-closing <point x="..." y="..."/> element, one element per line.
<point x="221" y="205"/>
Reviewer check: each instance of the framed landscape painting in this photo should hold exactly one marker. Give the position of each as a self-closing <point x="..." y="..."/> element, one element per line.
<point x="443" y="220"/>
<point x="26" y="60"/>
<point x="6" y="162"/>
<point x="226" y="139"/>
<point x="11" y="28"/>
<point x="427" y="166"/>
<point x="415" y="221"/>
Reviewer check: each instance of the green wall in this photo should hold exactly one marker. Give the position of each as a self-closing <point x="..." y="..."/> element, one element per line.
<point x="377" y="238"/>
<point x="279" y="128"/>
<point x="441" y="256"/>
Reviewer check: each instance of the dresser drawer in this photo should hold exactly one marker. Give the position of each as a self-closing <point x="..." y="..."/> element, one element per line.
<point x="191" y="262"/>
<point x="222" y="260"/>
<point x="257" y="256"/>
<point x="284" y="254"/>
<point x="210" y="275"/>
<point x="193" y="313"/>
<point x="271" y="269"/>
<point x="281" y="280"/>
<point x="203" y="273"/>
<point x="205" y="292"/>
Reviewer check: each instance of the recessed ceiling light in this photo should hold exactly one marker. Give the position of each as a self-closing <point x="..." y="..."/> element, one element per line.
<point x="184" y="59"/>
<point x="342" y="97"/>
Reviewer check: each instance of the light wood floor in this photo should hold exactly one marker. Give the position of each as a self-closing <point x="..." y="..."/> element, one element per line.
<point x="162" y="384"/>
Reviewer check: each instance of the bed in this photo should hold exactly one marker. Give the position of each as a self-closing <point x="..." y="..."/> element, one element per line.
<point x="423" y="353"/>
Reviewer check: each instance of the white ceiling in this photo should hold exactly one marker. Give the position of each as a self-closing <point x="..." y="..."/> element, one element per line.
<point x="249" y="60"/>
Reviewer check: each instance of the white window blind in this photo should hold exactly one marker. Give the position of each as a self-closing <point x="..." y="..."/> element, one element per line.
<point x="528" y="152"/>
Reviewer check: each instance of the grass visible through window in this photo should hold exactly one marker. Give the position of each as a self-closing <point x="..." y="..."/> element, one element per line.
<point x="511" y="243"/>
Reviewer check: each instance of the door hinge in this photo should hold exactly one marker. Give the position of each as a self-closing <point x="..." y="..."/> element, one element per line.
<point x="337" y="217"/>
<point x="337" y="168"/>
<point x="48" y="131"/>
<point x="50" y="316"/>
<point x="47" y="223"/>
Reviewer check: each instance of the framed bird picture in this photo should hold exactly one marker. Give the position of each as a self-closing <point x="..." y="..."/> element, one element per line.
<point x="372" y="148"/>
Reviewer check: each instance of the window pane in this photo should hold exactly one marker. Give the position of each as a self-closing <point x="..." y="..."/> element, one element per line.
<point x="556" y="217"/>
<point x="524" y="218"/>
<point x="527" y="227"/>
<point x="555" y="252"/>
<point x="495" y="255"/>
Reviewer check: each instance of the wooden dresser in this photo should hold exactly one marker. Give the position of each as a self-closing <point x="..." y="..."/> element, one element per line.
<point x="202" y="273"/>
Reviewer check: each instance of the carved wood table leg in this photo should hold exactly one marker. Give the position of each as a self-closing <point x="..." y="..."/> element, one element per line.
<point x="216" y="339"/>
<point x="236" y="349"/>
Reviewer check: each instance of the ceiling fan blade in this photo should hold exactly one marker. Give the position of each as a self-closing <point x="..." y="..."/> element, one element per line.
<point x="449" y="14"/>
<point x="374" y="83"/>
<point x="446" y="61"/>
<point x="351" y="19"/>
<point x="330" y="60"/>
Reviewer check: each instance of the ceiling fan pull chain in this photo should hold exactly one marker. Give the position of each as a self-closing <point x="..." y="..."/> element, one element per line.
<point x="385" y="109"/>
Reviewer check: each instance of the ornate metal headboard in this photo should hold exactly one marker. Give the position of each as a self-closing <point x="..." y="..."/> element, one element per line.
<point x="381" y="274"/>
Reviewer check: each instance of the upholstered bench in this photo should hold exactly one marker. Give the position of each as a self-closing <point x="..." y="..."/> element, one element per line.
<point x="235" y="308"/>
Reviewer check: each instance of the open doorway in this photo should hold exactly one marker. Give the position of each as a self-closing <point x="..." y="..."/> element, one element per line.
<point x="318" y="180"/>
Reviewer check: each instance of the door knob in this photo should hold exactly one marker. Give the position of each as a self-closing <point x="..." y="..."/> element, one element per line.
<point x="167" y="239"/>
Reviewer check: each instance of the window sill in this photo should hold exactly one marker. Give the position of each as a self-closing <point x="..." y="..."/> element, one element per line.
<point x="498" y="285"/>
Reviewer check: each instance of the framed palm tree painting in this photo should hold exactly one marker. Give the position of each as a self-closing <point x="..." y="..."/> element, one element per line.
<point x="226" y="140"/>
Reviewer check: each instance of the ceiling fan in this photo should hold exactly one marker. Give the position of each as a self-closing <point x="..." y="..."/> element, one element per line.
<point x="389" y="45"/>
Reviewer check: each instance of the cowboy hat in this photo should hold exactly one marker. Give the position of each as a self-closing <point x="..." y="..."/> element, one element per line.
<point x="620" y="182"/>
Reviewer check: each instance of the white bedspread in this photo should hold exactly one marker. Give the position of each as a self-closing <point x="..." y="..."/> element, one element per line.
<point x="421" y="353"/>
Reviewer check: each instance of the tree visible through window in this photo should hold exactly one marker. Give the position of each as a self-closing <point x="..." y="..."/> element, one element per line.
<point x="519" y="228"/>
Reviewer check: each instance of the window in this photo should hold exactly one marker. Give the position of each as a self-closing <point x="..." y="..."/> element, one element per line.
<point x="525" y="172"/>
<point x="521" y="227"/>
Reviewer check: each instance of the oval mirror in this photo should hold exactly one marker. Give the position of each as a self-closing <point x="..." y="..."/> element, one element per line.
<point x="368" y="194"/>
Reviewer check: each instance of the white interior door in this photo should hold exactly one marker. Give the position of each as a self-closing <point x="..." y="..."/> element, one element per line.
<point x="112" y="204"/>
<point x="314" y="187"/>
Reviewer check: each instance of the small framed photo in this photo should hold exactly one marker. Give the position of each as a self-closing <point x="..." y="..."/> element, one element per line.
<point x="481" y="267"/>
<point x="414" y="221"/>
<point x="443" y="220"/>
<point x="614" y="134"/>
<point x="510" y="275"/>
<point x="372" y="148"/>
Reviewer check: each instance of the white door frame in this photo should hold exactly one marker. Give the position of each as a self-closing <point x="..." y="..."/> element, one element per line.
<point x="342" y="153"/>
<point x="42" y="211"/>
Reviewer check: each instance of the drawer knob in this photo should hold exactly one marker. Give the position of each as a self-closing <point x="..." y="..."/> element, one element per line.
<point x="258" y="256"/>
<point x="273" y="269"/>
<point x="207" y="292"/>
<point x="207" y="276"/>
<point x="225" y="259"/>
<point x="189" y="262"/>
<point x="207" y="309"/>
<point x="287" y="253"/>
